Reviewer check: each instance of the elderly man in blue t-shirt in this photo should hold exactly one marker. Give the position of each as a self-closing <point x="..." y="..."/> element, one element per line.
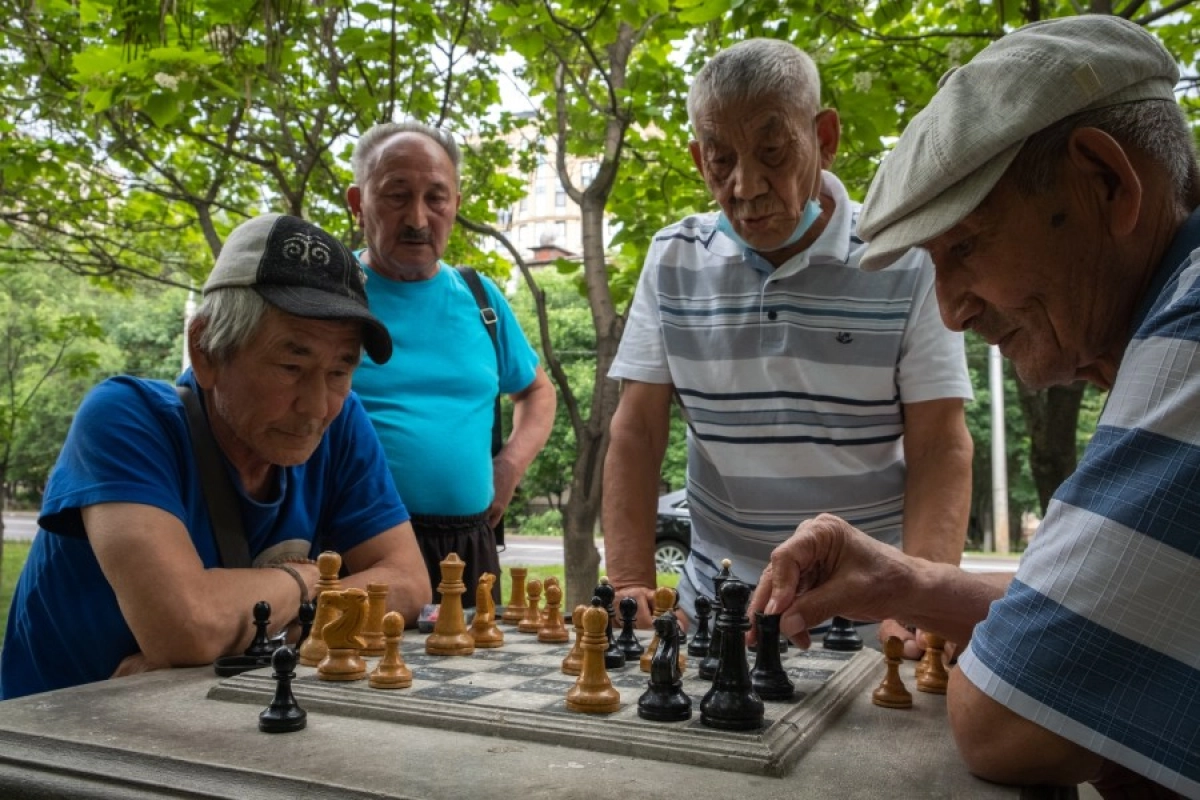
<point x="126" y="573"/>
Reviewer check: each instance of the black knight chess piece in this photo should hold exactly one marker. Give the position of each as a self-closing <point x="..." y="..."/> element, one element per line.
<point x="614" y="656"/>
<point x="261" y="646"/>
<point x="769" y="678"/>
<point x="732" y="704"/>
<point x="628" y="641"/>
<point x="842" y="635"/>
<point x="664" y="699"/>
<point x="284" y="715"/>
<point x="699" y="644"/>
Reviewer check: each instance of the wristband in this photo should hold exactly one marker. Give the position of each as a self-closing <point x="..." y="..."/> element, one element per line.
<point x="299" y="580"/>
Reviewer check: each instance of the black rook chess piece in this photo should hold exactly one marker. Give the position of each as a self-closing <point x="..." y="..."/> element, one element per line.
<point x="627" y="641"/>
<point x="664" y="699"/>
<point x="698" y="646"/>
<point x="732" y="704"/>
<point x="261" y="646"/>
<point x="842" y="635"/>
<point x="770" y="680"/>
<point x="614" y="656"/>
<point x="284" y="715"/>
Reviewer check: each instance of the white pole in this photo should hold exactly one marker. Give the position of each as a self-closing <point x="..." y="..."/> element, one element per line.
<point x="999" y="452"/>
<point x="189" y="311"/>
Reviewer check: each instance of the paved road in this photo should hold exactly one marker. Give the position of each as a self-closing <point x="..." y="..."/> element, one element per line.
<point x="527" y="550"/>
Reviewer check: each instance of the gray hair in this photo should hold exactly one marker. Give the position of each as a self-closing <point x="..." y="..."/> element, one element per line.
<point x="754" y="69"/>
<point x="1157" y="128"/>
<point x="230" y="318"/>
<point x="366" y="149"/>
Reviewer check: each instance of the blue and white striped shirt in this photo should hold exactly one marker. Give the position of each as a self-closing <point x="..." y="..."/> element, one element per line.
<point x="1098" y="637"/>
<point x="792" y="380"/>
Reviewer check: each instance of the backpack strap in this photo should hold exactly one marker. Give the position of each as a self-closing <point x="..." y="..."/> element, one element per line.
<point x="224" y="509"/>
<point x="488" y="315"/>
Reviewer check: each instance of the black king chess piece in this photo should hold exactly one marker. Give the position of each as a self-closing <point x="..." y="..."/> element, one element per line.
<point x="261" y="647"/>
<point x="284" y="715"/>
<point x="769" y="678"/>
<point x="698" y="646"/>
<point x="732" y="704"/>
<point x="842" y="635"/>
<point x="664" y="699"/>
<point x="628" y="641"/>
<point x="708" y="665"/>
<point x="614" y="656"/>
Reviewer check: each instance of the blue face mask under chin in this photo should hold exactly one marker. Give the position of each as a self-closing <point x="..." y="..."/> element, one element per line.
<point x="812" y="210"/>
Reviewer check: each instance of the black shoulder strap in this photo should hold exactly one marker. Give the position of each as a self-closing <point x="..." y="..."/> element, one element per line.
<point x="488" y="315"/>
<point x="219" y="494"/>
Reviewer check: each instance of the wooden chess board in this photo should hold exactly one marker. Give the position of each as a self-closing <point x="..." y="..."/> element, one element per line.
<point x="518" y="692"/>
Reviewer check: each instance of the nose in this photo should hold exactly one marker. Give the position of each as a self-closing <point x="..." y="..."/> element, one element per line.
<point x="416" y="215"/>
<point x="749" y="179"/>
<point x="312" y="396"/>
<point x="957" y="304"/>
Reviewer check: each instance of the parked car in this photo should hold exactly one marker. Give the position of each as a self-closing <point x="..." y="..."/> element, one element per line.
<point x="672" y="533"/>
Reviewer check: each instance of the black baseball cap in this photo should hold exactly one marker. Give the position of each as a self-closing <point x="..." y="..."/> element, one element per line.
<point x="299" y="268"/>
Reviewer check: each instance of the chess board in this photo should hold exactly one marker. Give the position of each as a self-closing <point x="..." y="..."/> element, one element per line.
<point x="518" y="692"/>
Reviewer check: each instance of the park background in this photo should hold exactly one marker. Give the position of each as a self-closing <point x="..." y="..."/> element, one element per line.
<point x="138" y="134"/>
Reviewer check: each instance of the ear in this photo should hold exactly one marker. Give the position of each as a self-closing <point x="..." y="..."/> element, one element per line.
<point x="457" y="202"/>
<point x="354" y="201"/>
<point x="829" y="134"/>
<point x="694" y="149"/>
<point x="1105" y="164"/>
<point x="202" y="363"/>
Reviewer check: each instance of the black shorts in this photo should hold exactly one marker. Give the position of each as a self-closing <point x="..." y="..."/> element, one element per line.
<point x="471" y="538"/>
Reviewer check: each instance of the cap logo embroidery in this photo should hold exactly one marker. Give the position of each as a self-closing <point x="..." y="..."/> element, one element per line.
<point x="844" y="337"/>
<point x="306" y="249"/>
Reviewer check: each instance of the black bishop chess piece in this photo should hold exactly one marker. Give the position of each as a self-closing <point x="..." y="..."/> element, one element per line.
<point x="308" y="613"/>
<point x="699" y="644"/>
<point x="664" y="699"/>
<point x="284" y="715"/>
<point x="842" y="635"/>
<point x="628" y="641"/>
<point x="732" y="704"/>
<point x="261" y="647"/>
<point x="770" y="680"/>
<point x="708" y="665"/>
<point x="614" y="656"/>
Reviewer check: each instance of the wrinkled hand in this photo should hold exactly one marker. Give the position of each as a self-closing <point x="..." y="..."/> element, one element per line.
<point x="504" y="483"/>
<point x="828" y="567"/>
<point x="645" y="600"/>
<point x="914" y="644"/>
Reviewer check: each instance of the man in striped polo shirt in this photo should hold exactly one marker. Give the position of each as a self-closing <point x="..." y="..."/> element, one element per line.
<point x="808" y="385"/>
<point x="1054" y="181"/>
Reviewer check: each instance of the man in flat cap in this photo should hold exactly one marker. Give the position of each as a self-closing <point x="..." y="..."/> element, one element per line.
<point x="1054" y="182"/>
<point x="138" y="563"/>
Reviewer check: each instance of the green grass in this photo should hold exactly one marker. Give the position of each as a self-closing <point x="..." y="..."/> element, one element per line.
<point x="15" y="554"/>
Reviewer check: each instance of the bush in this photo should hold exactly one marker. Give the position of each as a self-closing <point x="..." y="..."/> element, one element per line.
<point x="548" y="523"/>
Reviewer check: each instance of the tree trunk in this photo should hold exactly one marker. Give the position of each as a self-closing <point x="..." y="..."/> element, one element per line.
<point x="1051" y="421"/>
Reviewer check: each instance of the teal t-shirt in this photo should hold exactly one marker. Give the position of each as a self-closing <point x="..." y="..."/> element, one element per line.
<point x="432" y="402"/>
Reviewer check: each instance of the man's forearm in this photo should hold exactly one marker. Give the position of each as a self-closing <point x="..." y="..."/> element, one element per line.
<point x="533" y="419"/>
<point x="937" y="497"/>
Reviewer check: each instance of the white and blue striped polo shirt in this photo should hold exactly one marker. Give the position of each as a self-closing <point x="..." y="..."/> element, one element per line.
<point x="1098" y="637"/>
<point x="793" y="381"/>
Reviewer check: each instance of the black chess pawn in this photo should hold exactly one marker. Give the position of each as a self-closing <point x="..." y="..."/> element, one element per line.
<point x="628" y="641"/>
<point x="732" y="704"/>
<point x="698" y="646"/>
<point x="614" y="656"/>
<point x="261" y="646"/>
<point x="664" y="699"/>
<point x="308" y="613"/>
<point x="842" y="635"/>
<point x="284" y="715"/>
<point x="708" y="665"/>
<point x="770" y="680"/>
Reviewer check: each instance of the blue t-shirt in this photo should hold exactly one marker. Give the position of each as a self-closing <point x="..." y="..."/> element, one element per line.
<point x="130" y="443"/>
<point x="432" y="403"/>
